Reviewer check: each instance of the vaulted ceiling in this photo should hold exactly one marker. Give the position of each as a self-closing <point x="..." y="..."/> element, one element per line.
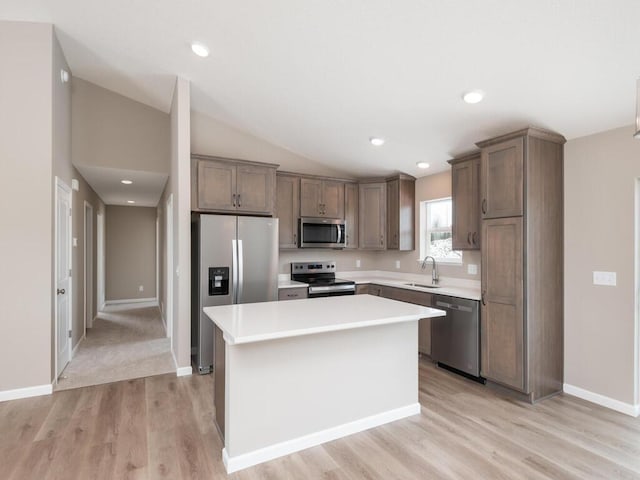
<point x="321" y="77"/>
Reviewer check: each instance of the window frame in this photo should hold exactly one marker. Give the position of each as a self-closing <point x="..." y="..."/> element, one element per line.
<point x="425" y="234"/>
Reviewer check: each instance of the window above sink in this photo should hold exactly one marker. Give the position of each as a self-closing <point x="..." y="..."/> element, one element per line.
<point x="435" y="231"/>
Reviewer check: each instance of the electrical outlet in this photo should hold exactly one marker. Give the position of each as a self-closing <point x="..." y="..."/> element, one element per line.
<point x="472" y="269"/>
<point x="358" y="263"/>
<point x="75" y="242"/>
<point x="141" y="288"/>
<point x="397" y="263"/>
<point x="605" y="278"/>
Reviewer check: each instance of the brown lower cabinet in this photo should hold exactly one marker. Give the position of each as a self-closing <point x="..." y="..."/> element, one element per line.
<point x="502" y="339"/>
<point x="293" y="293"/>
<point x="409" y="296"/>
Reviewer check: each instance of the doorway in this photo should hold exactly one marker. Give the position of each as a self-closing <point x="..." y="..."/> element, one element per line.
<point x="63" y="284"/>
<point x="169" y="271"/>
<point x="88" y="266"/>
<point x="100" y="295"/>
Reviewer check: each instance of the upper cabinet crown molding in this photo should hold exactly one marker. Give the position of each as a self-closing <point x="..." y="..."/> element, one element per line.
<point x="531" y="131"/>
<point x="237" y="161"/>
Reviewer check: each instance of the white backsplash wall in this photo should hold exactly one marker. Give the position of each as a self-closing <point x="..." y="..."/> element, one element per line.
<point x="345" y="259"/>
<point x="409" y="263"/>
<point x="384" y="260"/>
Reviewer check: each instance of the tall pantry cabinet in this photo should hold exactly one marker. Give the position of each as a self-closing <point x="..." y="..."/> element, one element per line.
<point x="522" y="261"/>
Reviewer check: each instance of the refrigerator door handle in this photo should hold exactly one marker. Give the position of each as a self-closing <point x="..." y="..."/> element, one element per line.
<point x="240" y="269"/>
<point x="234" y="271"/>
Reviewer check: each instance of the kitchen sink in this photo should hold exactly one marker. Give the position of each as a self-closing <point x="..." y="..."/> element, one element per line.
<point x="421" y="285"/>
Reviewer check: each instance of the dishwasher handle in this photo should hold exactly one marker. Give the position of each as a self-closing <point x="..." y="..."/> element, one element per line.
<point x="451" y="306"/>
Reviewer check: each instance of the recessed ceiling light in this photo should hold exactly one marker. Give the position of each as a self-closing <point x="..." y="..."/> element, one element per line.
<point x="131" y="201"/>
<point x="126" y="182"/>
<point x="474" y="96"/>
<point x="200" y="49"/>
<point x="376" y="141"/>
<point x="422" y="165"/>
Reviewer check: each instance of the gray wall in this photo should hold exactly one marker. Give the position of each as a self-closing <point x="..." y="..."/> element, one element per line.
<point x="63" y="168"/>
<point x="179" y="186"/>
<point x="211" y="137"/>
<point x="601" y="222"/>
<point x="26" y="196"/>
<point x="130" y="252"/>
<point x="116" y="132"/>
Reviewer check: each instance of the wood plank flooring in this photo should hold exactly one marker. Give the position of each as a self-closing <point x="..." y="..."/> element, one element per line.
<point x="162" y="428"/>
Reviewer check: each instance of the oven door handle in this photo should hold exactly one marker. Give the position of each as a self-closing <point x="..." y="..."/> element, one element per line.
<point x="335" y="288"/>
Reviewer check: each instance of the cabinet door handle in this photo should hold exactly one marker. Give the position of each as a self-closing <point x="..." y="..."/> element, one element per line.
<point x="475" y="238"/>
<point x="234" y="199"/>
<point x="295" y="239"/>
<point x="484" y="205"/>
<point x="239" y="204"/>
<point x="482" y="298"/>
<point x="469" y="238"/>
<point x="381" y="240"/>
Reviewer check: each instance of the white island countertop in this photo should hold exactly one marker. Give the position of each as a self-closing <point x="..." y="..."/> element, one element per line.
<point x="256" y="322"/>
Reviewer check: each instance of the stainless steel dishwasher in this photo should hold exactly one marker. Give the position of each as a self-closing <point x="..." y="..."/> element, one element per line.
<point x="455" y="338"/>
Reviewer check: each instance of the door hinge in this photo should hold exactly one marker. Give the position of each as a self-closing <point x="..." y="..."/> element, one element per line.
<point x="70" y="333"/>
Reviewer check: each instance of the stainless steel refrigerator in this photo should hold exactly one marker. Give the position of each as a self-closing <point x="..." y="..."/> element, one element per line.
<point x="233" y="260"/>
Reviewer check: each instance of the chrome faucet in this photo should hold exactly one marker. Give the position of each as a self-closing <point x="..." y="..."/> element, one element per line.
<point x="434" y="270"/>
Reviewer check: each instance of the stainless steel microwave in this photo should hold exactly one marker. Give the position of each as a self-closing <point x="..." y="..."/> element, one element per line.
<point x="322" y="233"/>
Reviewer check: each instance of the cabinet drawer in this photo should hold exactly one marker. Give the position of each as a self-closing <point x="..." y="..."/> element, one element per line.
<point x="292" y="293"/>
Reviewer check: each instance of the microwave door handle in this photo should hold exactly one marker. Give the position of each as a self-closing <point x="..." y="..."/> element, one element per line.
<point x="339" y="233"/>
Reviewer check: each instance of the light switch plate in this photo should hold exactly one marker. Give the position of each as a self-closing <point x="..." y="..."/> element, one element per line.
<point x="75" y="242"/>
<point x="472" y="269"/>
<point x="358" y="263"/>
<point x="604" y="278"/>
<point x="397" y="263"/>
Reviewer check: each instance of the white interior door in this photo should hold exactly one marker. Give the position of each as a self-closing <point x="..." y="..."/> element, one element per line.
<point x="63" y="275"/>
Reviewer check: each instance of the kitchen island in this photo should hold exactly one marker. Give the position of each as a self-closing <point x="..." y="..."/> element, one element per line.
<point x="291" y="375"/>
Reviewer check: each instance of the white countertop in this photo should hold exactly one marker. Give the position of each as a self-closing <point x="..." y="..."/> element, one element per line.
<point x="455" y="287"/>
<point x="256" y="322"/>
<point x="287" y="283"/>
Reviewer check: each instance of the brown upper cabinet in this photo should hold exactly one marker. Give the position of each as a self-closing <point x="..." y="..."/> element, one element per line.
<point x="321" y="198"/>
<point x="372" y="218"/>
<point x="288" y="209"/>
<point x="401" y="192"/>
<point x="465" y="196"/>
<point x="502" y="179"/>
<point x="351" y="215"/>
<point x="238" y="186"/>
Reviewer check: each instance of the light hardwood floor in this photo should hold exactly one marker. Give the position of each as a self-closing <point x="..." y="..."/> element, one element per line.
<point x="162" y="427"/>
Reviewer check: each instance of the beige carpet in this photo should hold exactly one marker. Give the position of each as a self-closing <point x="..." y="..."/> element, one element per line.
<point x="123" y="344"/>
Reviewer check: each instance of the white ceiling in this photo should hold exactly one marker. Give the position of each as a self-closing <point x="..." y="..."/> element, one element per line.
<point x="321" y="77"/>
<point x="145" y="191"/>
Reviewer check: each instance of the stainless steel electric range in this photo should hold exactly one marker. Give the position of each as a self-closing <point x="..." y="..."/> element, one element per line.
<point x="321" y="277"/>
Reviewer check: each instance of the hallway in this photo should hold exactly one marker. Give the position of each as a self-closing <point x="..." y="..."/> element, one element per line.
<point x="123" y="344"/>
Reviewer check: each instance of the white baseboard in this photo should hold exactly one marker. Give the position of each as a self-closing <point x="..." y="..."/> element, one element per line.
<point x="181" y="371"/>
<point x="127" y="303"/>
<point x="75" y="349"/>
<point x="240" y="462"/>
<point x="26" y="392"/>
<point x="132" y="300"/>
<point x="613" y="404"/>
